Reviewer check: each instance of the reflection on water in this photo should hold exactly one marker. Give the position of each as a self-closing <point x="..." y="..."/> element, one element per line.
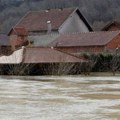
<point x="60" y="98"/>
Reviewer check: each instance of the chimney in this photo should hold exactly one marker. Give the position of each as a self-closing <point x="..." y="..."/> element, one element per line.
<point x="49" y="27"/>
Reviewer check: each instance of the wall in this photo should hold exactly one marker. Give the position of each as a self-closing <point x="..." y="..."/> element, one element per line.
<point x="17" y="41"/>
<point x="73" y="24"/>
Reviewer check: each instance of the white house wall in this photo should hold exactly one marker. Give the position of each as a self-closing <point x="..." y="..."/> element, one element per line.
<point x="73" y="24"/>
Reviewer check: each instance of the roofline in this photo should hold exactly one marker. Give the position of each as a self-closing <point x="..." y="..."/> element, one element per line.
<point x="13" y="28"/>
<point x="118" y="32"/>
<point x="67" y="18"/>
<point x="83" y="18"/>
<point x="10" y="31"/>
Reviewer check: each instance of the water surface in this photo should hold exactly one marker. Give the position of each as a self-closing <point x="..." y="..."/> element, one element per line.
<point x="60" y="98"/>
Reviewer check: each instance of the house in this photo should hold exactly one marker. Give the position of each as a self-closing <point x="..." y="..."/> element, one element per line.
<point x="66" y="20"/>
<point x="92" y="42"/>
<point x="39" y="60"/>
<point x="51" y="61"/>
<point x="112" y="26"/>
<point x="17" y="37"/>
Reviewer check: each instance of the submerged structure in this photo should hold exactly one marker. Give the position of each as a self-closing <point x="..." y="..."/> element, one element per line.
<point x="52" y="41"/>
<point x="40" y="61"/>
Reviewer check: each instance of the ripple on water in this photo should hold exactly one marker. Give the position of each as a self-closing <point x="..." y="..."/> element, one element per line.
<point x="60" y="98"/>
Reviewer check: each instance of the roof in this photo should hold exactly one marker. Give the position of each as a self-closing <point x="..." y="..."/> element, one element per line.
<point x="37" y="20"/>
<point x="42" y="40"/>
<point x="113" y="23"/>
<point x="49" y="55"/>
<point x="85" y="39"/>
<point x="19" y="31"/>
<point x="4" y="40"/>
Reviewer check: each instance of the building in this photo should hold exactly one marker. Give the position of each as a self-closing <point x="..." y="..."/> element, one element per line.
<point x="17" y="37"/>
<point x="66" y="20"/>
<point x="39" y="61"/>
<point x="39" y="28"/>
<point x="51" y="61"/>
<point x="92" y="42"/>
<point x="112" y="26"/>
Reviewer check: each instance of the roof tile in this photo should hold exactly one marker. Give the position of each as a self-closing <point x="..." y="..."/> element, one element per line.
<point x="49" y="55"/>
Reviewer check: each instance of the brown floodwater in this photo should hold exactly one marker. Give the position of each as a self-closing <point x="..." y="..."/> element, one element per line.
<point x="60" y="98"/>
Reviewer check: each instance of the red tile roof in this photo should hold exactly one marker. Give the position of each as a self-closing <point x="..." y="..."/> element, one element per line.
<point x="85" y="39"/>
<point x="37" y="20"/>
<point x="49" y="55"/>
<point x="19" y="31"/>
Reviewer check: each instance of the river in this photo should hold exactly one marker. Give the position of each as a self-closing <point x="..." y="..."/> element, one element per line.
<point x="60" y="98"/>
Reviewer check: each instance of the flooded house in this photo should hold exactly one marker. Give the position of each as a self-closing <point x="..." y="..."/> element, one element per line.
<point x="40" y="61"/>
<point x="53" y="41"/>
<point x="51" y="61"/>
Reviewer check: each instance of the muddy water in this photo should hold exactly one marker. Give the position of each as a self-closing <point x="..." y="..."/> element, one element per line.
<point x="60" y="98"/>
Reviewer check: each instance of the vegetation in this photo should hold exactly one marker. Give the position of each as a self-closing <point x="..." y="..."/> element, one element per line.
<point x="103" y="62"/>
<point x="97" y="12"/>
